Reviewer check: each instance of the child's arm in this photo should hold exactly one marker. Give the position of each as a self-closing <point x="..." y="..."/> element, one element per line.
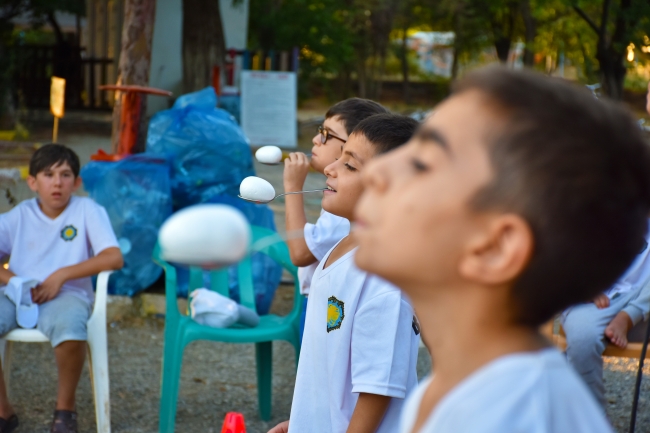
<point x="368" y="413"/>
<point x="107" y="260"/>
<point x="296" y="167"/>
<point x="283" y="427"/>
<point x="5" y="275"/>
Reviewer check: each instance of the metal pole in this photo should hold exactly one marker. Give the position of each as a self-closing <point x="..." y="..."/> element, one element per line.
<point x="55" y="132"/>
<point x="639" y="377"/>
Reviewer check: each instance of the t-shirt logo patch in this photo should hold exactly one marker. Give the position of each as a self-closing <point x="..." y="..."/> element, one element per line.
<point x="68" y="233"/>
<point x="335" y="313"/>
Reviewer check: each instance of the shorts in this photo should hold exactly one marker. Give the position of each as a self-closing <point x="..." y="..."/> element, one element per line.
<point x="64" y="318"/>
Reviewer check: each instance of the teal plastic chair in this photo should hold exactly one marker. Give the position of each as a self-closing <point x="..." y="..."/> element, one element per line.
<point x="181" y="329"/>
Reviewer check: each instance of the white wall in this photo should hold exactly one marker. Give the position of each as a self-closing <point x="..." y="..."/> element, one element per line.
<point x="166" y="53"/>
<point x="235" y="23"/>
<point x="166" y="56"/>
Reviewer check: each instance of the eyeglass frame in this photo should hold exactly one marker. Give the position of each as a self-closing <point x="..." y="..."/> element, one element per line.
<point x="326" y="134"/>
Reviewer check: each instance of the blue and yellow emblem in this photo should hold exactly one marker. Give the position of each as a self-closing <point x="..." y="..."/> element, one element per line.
<point x="335" y="313"/>
<point x="68" y="233"/>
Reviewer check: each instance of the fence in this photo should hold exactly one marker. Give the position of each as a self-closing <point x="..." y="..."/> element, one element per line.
<point x="36" y="64"/>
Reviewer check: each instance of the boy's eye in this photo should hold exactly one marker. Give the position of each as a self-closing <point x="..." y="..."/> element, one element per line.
<point x="419" y="165"/>
<point x="349" y="167"/>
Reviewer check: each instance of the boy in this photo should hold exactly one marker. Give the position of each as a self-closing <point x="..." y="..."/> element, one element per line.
<point x="358" y="360"/>
<point x="319" y="238"/>
<point x="610" y="316"/>
<point x="50" y="239"/>
<point x="520" y="196"/>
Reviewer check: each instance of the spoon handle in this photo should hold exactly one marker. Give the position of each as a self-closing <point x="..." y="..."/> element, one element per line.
<point x="301" y="192"/>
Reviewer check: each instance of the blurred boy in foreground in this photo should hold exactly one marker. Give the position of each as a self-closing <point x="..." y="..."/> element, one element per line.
<point x="519" y="197"/>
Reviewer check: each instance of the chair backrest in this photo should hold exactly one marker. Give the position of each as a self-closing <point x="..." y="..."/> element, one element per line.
<point x="264" y="241"/>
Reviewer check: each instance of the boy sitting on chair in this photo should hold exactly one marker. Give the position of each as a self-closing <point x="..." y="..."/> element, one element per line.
<point x="59" y="240"/>
<point x="520" y="196"/>
<point x="609" y="317"/>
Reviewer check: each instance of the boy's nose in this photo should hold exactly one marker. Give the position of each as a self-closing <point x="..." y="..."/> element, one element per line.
<point x="316" y="140"/>
<point x="330" y="170"/>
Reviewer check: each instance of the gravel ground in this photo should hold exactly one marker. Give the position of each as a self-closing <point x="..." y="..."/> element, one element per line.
<point x="216" y="378"/>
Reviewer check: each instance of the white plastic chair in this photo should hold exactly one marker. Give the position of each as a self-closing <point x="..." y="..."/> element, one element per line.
<point x="97" y="353"/>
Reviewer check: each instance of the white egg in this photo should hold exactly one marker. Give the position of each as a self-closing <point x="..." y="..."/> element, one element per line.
<point x="256" y="189"/>
<point x="269" y="155"/>
<point x="206" y="235"/>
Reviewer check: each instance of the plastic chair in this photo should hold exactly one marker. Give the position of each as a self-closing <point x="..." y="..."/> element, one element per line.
<point x="97" y="353"/>
<point x="181" y="329"/>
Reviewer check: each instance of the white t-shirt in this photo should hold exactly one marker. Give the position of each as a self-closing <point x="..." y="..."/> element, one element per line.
<point x="521" y="393"/>
<point x="320" y="238"/>
<point x="39" y="245"/>
<point x="360" y="336"/>
<point x="637" y="274"/>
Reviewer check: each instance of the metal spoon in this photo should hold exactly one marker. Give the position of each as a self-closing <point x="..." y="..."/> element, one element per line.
<point x="280" y="195"/>
<point x="280" y="162"/>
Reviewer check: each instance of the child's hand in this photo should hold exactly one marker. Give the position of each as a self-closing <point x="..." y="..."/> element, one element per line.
<point x="296" y="167"/>
<point x="283" y="427"/>
<point x="48" y="289"/>
<point x="601" y="301"/>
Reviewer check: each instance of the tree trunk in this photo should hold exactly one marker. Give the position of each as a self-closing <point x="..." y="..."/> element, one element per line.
<point x="203" y="43"/>
<point x="530" y="31"/>
<point x="405" y="67"/>
<point x="135" y="61"/>
<point x="502" y="45"/>
<point x="612" y="73"/>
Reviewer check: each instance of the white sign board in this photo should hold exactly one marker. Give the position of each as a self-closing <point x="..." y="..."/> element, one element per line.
<point x="268" y="108"/>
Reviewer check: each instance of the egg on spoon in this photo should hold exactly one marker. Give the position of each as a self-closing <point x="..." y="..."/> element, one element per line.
<point x="269" y="155"/>
<point x="256" y="189"/>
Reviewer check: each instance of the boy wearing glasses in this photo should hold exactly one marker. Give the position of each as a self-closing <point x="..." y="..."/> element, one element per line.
<point x="319" y="238"/>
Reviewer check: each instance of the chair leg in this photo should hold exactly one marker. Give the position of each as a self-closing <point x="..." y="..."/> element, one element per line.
<point x="264" y="361"/>
<point x="5" y="358"/>
<point x="171" y="376"/>
<point x="98" y="366"/>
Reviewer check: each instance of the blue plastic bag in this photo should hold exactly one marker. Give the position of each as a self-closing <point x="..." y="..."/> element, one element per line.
<point x="137" y="196"/>
<point x="266" y="272"/>
<point x="209" y="153"/>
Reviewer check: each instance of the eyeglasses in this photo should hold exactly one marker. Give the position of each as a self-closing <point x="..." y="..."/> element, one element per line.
<point x="325" y="135"/>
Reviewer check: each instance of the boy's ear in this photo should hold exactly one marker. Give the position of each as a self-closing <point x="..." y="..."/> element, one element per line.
<point x="31" y="183"/>
<point x="500" y="253"/>
<point x="77" y="183"/>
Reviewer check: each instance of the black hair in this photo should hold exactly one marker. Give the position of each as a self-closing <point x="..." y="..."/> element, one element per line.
<point x="578" y="171"/>
<point x="387" y="131"/>
<point x="51" y="155"/>
<point x="353" y="110"/>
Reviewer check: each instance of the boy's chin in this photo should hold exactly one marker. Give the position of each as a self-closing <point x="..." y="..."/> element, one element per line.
<point x="316" y="166"/>
<point x="330" y="207"/>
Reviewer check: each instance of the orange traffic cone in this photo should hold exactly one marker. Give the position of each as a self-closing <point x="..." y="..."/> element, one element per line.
<point x="234" y="423"/>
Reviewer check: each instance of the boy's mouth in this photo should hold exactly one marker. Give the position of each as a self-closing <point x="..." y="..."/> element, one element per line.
<point x="329" y="189"/>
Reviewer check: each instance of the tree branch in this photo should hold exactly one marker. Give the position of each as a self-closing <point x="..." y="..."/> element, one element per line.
<point x="585" y="17"/>
<point x="605" y="18"/>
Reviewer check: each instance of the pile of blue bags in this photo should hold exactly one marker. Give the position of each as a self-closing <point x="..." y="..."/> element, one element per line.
<point x="196" y="153"/>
